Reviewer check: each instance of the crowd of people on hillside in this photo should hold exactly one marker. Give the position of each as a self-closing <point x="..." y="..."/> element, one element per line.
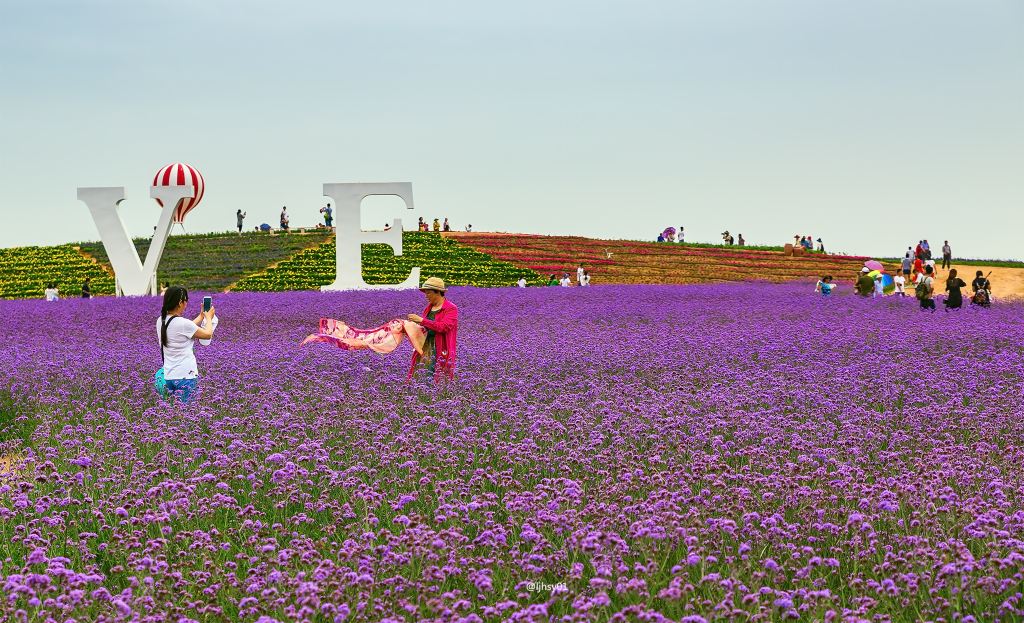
<point x="807" y="243"/>
<point x="565" y="281"/>
<point x="917" y="269"/>
<point x="327" y="213"/>
<point x="52" y="292"/>
<point x="671" y="234"/>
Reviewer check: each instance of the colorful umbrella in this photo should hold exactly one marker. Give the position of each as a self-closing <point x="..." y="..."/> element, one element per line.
<point x="888" y="285"/>
<point x="875" y="265"/>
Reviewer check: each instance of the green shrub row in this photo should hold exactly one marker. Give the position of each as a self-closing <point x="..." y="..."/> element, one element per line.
<point x="436" y="256"/>
<point x="25" y="272"/>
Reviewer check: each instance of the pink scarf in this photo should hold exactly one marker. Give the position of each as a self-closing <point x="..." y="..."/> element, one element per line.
<point x="383" y="339"/>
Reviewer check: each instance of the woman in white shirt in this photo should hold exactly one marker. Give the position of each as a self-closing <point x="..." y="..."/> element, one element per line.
<point x="177" y="336"/>
<point x="52" y="294"/>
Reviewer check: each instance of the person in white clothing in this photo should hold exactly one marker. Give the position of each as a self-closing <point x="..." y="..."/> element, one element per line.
<point x="901" y="283"/>
<point x="579" y="274"/>
<point x="176" y="336"/>
<point x="565" y="282"/>
<point x="522" y="282"/>
<point x="585" y="279"/>
<point x="51" y="293"/>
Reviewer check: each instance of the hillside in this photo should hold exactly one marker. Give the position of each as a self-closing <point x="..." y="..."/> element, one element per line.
<point x="215" y="261"/>
<point x="305" y="261"/>
<point x="629" y="261"/>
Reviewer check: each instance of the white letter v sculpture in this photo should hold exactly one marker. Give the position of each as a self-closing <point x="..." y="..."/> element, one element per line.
<point x="131" y="276"/>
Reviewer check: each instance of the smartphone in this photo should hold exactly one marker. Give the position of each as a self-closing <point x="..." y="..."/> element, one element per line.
<point x="207" y="303"/>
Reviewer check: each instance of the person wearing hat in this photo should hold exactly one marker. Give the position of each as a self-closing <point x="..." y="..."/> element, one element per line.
<point x="865" y="285"/>
<point x="441" y="320"/>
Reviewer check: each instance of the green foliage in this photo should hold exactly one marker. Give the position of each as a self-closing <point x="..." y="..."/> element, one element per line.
<point x="25" y="272"/>
<point x="436" y="256"/>
<point x="212" y="262"/>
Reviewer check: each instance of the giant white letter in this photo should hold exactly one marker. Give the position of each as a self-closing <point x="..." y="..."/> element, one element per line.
<point x="131" y="277"/>
<point x="350" y="237"/>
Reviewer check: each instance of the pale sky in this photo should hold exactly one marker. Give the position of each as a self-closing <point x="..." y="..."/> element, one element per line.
<point x="870" y="123"/>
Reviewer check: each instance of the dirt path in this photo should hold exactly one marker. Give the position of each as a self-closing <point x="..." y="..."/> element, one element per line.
<point x="1006" y="282"/>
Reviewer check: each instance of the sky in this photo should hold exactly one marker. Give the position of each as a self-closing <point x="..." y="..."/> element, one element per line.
<point x="869" y="123"/>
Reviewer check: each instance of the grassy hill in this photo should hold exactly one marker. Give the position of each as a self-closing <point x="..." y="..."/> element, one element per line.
<point x="436" y="256"/>
<point x="215" y="261"/>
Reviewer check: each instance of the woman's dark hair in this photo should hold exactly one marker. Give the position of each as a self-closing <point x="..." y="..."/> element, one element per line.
<point x="980" y="273"/>
<point x="951" y="276"/>
<point x="928" y="270"/>
<point x="172" y="298"/>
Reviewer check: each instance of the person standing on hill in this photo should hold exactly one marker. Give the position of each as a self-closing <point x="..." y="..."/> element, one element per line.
<point x="925" y="288"/>
<point x="742" y="242"/>
<point x="865" y="285"/>
<point x="679" y="235"/>
<point x="579" y="274"/>
<point x="954" y="298"/>
<point x="328" y="215"/>
<point x="947" y="254"/>
<point x="901" y="285"/>
<point x="239" y="217"/>
<point x="918" y="268"/>
<point x="907" y="263"/>
<point x="284" y="218"/>
<point x="445" y="226"/>
<point x="437" y="225"/>
<point x="441" y="320"/>
<point x="982" y="290"/>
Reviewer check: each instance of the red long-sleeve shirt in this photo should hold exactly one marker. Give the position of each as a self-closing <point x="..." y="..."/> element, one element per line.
<point x="445" y="326"/>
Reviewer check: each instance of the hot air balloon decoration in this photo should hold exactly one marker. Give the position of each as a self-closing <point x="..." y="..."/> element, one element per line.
<point x="181" y="174"/>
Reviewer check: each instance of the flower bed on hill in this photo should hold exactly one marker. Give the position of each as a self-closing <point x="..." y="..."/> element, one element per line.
<point x="25" y="272"/>
<point x="629" y="261"/>
<point x="436" y="256"/>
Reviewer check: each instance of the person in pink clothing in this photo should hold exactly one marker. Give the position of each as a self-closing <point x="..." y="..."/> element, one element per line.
<point x="441" y="320"/>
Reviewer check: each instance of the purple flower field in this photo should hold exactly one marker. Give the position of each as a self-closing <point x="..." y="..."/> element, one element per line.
<point x="690" y="453"/>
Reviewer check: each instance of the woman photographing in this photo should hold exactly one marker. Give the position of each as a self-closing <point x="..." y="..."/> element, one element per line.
<point x="441" y="320"/>
<point x="177" y="336"/>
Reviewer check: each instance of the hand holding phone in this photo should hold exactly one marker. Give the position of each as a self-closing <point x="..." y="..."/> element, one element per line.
<point x="207" y="303"/>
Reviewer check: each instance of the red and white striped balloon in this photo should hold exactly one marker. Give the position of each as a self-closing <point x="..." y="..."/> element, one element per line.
<point x="181" y="174"/>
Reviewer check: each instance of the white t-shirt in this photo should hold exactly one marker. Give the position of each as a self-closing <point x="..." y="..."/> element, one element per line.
<point x="51" y="294"/>
<point x="179" y="359"/>
<point x="579" y="274"/>
<point x="900" y="282"/>
<point x="522" y="282"/>
<point x="565" y="282"/>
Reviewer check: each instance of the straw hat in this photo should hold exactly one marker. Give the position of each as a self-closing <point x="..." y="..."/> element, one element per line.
<point x="433" y="283"/>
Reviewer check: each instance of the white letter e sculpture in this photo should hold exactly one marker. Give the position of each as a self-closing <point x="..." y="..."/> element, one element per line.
<point x="350" y="237"/>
